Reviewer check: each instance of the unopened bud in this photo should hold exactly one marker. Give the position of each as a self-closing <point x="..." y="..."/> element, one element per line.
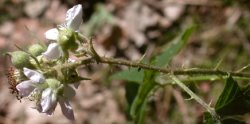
<point x="36" y="49"/>
<point x="20" y="59"/>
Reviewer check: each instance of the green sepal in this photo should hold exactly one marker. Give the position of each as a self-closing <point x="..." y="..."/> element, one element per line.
<point x="53" y="83"/>
<point x="67" y="39"/>
<point x="72" y="76"/>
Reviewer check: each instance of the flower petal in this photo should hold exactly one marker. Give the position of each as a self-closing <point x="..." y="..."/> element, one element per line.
<point x="52" y="34"/>
<point x="25" y="88"/>
<point x="53" y="52"/>
<point x="66" y="109"/>
<point x="33" y="75"/>
<point x="74" y="17"/>
<point x="48" y="101"/>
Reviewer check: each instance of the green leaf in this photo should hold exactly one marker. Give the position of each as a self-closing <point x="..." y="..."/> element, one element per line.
<point x="177" y="44"/>
<point x="138" y="107"/>
<point x="208" y="119"/>
<point x="131" y="91"/>
<point x="230" y="93"/>
<point x="133" y="75"/>
<point x="232" y="121"/>
<point x="232" y="102"/>
<point x="139" y="104"/>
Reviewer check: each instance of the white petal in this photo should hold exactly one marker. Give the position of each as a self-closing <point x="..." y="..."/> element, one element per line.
<point x="25" y="88"/>
<point x="53" y="52"/>
<point x="48" y="101"/>
<point x="74" y="17"/>
<point x="69" y="92"/>
<point x="66" y="109"/>
<point x="52" y="34"/>
<point x="52" y="109"/>
<point x="34" y="76"/>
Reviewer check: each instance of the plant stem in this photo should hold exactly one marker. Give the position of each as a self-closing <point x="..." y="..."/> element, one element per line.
<point x="175" y="72"/>
<point x="82" y="61"/>
<point x="208" y="72"/>
<point x="164" y="79"/>
<point x="196" y="98"/>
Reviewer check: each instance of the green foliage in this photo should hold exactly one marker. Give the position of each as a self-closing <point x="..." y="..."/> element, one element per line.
<point x="131" y="90"/>
<point x="148" y="77"/>
<point x="208" y="119"/>
<point x="139" y="104"/>
<point x="131" y="74"/>
<point x="231" y="102"/>
<point x="138" y="107"/>
<point x="177" y="44"/>
<point x="229" y="94"/>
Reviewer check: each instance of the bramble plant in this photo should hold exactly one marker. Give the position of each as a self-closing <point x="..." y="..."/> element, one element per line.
<point x="48" y="75"/>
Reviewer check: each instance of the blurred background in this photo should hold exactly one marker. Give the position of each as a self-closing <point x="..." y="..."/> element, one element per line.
<point x="128" y="29"/>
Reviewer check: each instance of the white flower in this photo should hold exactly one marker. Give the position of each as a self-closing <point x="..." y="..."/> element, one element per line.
<point x="66" y="108"/>
<point x="26" y="87"/>
<point x="48" y="101"/>
<point x="50" y="98"/>
<point x="33" y="75"/>
<point x="74" y="17"/>
<point x="53" y="52"/>
<point x="73" y="20"/>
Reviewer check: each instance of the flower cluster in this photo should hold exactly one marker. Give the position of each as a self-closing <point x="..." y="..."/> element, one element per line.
<point x="38" y="77"/>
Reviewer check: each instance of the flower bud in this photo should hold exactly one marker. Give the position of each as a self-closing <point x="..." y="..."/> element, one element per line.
<point x="20" y="59"/>
<point x="67" y="39"/>
<point x="36" y="49"/>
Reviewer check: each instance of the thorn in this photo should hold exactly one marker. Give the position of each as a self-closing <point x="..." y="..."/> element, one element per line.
<point x="209" y="104"/>
<point x="188" y="99"/>
<point x="97" y="57"/>
<point x="219" y="63"/>
<point x="18" y="47"/>
<point x="83" y="78"/>
<point x="143" y="56"/>
<point x="243" y="68"/>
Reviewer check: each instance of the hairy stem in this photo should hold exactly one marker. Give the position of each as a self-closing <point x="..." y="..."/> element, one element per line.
<point x="175" y="72"/>
<point x="195" y="97"/>
<point x="208" y="72"/>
